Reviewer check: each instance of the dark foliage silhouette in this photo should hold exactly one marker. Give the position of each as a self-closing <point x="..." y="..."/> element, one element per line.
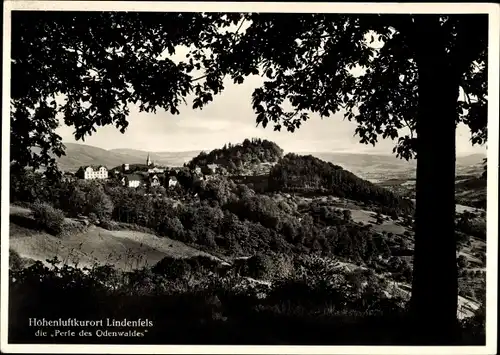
<point x="201" y="309"/>
<point x="413" y="79"/>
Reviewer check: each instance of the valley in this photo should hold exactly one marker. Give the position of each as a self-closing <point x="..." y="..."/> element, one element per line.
<point x="260" y="222"/>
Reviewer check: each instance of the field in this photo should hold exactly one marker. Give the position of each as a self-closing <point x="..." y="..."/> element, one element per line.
<point x="125" y="249"/>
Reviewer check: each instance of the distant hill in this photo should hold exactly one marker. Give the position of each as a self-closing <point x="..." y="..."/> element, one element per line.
<point x="367" y="166"/>
<point x="375" y="167"/>
<point x="81" y="154"/>
<point x="161" y="158"/>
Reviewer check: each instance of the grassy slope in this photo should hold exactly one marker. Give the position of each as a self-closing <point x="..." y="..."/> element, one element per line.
<point x="130" y="249"/>
<point x="124" y="249"/>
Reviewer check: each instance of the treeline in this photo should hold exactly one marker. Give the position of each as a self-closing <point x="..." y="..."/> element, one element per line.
<point x="234" y="157"/>
<point x="296" y="173"/>
<point x="472" y="192"/>
<point x="225" y="217"/>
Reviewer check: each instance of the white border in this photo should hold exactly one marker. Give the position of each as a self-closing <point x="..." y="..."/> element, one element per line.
<point x="492" y="153"/>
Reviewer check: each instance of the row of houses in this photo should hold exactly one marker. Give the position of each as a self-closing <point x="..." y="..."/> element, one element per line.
<point x="139" y="179"/>
<point x="150" y="176"/>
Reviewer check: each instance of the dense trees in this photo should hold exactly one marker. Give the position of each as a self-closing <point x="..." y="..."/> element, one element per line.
<point x="84" y="198"/>
<point x="232" y="157"/>
<point x="307" y="173"/>
<point x="320" y="63"/>
<point x="29" y="186"/>
<point x="413" y="79"/>
<point x="225" y="217"/>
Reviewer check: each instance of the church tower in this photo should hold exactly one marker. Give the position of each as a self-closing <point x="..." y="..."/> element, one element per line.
<point x="148" y="163"/>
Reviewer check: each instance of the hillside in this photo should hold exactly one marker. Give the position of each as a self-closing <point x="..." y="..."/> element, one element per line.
<point x="126" y="249"/>
<point x="160" y="158"/>
<point x="372" y="167"/>
<point x="297" y="173"/>
<point x="80" y="154"/>
<point x="239" y="156"/>
<point x="471" y="192"/>
<point x="378" y="167"/>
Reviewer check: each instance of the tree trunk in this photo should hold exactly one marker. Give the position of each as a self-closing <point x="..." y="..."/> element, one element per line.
<point x="435" y="285"/>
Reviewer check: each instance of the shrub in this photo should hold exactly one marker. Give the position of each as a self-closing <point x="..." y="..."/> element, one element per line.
<point x="283" y="266"/>
<point x="462" y="262"/>
<point x="172" y="268"/>
<point x="93" y="218"/>
<point x="16" y="262"/>
<point x="48" y="217"/>
<point x="109" y="225"/>
<point x="259" y="266"/>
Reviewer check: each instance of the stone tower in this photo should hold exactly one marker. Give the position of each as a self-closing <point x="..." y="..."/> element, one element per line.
<point x="148" y="163"/>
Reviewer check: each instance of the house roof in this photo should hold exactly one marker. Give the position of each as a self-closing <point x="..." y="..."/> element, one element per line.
<point x="95" y="167"/>
<point x="213" y="166"/>
<point x="134" y="177"/>
<point x="173" y="178"/>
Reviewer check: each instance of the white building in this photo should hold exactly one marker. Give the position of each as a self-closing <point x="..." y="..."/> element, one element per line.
<point x="132" y="180"/>
<point x="155" y="170"/>
<point x="172" y="181"/>
<point x="92" y="172"/>
<point x="154" y="181"/>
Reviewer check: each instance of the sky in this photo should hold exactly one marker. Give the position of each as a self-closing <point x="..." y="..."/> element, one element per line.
<point x="230" y="118"/>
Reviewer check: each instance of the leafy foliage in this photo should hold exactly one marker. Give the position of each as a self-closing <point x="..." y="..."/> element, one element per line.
<point x="85" y="198"/>
<point x="99" y="63"/>
<point x="307" y="173"/>
<point x="29" y="186"/>
<point x="103" y="65"/>
<point x="48" y="217"/>
<point x="324" y="63"/>
<point x="315" y="293"/>
<point x="232" y="157"/>
<point x="471" y="225"/>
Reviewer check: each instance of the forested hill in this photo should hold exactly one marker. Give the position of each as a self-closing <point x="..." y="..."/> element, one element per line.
<point x="298" y="173"/>
<point x="237" y="156"/>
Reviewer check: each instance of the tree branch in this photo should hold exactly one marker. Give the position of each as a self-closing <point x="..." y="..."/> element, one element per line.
<point x="234" y="43"/>
<point x="199" y="78"/>
<point x="472" y="36"/>
<point x="409" y="127"/>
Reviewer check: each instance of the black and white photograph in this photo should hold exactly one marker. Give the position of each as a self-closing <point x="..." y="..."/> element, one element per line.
<point x="249" y="177"/>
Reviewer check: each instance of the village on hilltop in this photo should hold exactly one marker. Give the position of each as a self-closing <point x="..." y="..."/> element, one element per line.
<point x="142" y="175"/>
